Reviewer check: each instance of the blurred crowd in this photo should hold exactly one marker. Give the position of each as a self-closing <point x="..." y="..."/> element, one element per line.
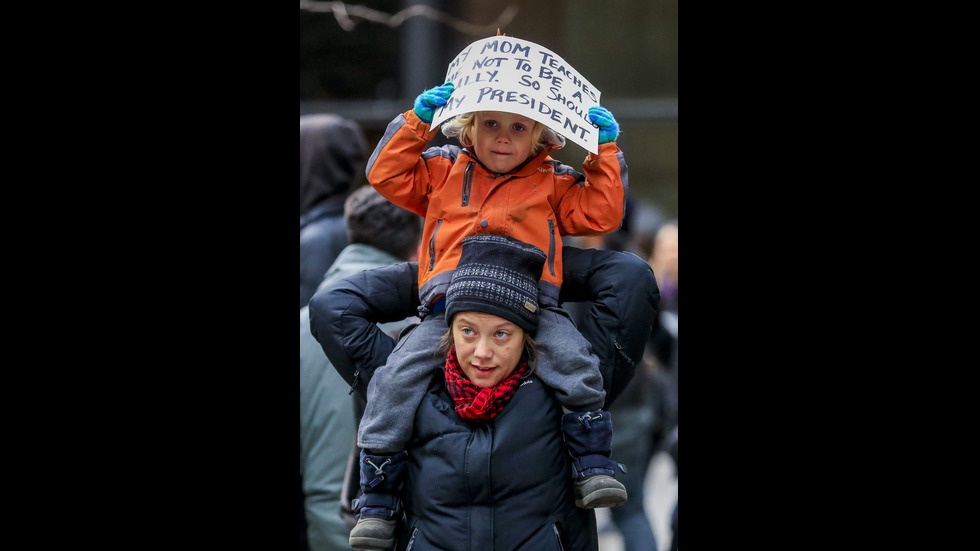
<point x="345" y="227"/>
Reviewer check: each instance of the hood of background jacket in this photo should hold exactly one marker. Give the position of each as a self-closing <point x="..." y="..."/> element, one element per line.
<point x="332" y="154"/>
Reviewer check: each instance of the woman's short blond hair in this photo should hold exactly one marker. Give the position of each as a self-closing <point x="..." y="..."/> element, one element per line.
<point x="461" y="128"/>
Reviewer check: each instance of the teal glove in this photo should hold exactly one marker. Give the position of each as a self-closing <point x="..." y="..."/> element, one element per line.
<point x="428" y="101"/>
<point x="608" y="127"/>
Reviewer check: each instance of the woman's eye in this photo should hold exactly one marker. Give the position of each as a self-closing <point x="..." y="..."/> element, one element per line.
<point x="466" y="331"/>
<point x="502" y="334"/>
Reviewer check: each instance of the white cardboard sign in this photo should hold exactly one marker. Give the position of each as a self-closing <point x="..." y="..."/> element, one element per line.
<point x="503" y="73"/>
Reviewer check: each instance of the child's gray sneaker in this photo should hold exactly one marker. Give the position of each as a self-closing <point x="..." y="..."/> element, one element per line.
<point x="588" y="437"/>
<point x="600" y="490"/>
<point x="373" y="533"/>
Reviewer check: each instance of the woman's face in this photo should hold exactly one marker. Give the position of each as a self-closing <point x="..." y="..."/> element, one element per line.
<point x="502" y="140"/>
<point x="488" y="347"/>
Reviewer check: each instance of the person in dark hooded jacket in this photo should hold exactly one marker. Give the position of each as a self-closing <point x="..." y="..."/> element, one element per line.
<point x="503" y="483"/>
<point x="332" y="153"/>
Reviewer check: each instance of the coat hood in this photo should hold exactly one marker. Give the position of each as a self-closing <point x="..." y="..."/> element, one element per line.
<point x="332" y="153"/>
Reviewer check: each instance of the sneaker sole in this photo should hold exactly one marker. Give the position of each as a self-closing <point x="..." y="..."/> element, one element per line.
<point x="360" y="542"/>
<point x="606" y="497"/>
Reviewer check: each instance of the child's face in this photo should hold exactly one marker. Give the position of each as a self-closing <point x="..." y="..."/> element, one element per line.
<point x="502" y="140"/>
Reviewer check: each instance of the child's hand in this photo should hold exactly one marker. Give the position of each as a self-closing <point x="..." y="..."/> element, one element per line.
<point x="428" y="101"/>
<point x="608" y="127"/>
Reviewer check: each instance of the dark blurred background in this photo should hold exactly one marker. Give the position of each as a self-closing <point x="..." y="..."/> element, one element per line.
<point x="369" y="71"/>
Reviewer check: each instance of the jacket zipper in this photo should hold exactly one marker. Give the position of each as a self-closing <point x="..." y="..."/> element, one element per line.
<point x="411" y="540"/>
<point x="551" y="247"/>
<point x="557" y="537"/>
<point x="623" y="354"/>
<point x="467" y="182"/>
<point x="432" y="246"/>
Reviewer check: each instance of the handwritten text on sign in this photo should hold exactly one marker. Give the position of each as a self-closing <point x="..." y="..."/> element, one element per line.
<point x="503" y="73"/>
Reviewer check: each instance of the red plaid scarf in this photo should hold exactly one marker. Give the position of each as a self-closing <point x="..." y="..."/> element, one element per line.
<point x="473" y="402"/>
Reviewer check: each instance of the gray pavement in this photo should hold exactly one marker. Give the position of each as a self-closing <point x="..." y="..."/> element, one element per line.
<point x="661" y="496"/>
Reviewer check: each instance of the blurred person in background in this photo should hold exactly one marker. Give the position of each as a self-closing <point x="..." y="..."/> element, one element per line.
<point x="663" y="262"/>
<point x="661" y="357"/>
<point x="332" y="153"/>
<point x="380" y="234"/>
<point x="645" y="220"/>
<point x="642" y="411"/>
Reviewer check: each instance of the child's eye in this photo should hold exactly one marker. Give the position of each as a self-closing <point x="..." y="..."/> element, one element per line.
<point x="519" y="127"/>
<point x="491" y="124"/>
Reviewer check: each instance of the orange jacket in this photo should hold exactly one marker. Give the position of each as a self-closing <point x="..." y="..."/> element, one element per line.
<point x="537" y="203"/>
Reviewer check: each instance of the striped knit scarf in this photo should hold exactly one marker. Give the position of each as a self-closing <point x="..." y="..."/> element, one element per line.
<point x="473" y="402"/>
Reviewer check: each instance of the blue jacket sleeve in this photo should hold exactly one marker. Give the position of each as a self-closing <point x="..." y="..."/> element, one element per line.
<point x="622" y="297"/>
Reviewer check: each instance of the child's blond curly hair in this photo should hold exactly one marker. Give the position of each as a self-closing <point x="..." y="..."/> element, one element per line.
<point x="461" y="127"/>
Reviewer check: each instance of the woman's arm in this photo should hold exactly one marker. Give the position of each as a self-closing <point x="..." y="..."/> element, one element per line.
<point x="619" y="288"/>
<point x="623" y="297"/>
<point x="344" y="316"/>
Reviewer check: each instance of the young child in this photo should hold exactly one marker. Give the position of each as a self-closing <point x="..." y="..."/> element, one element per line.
<point x="503" y="182"/>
